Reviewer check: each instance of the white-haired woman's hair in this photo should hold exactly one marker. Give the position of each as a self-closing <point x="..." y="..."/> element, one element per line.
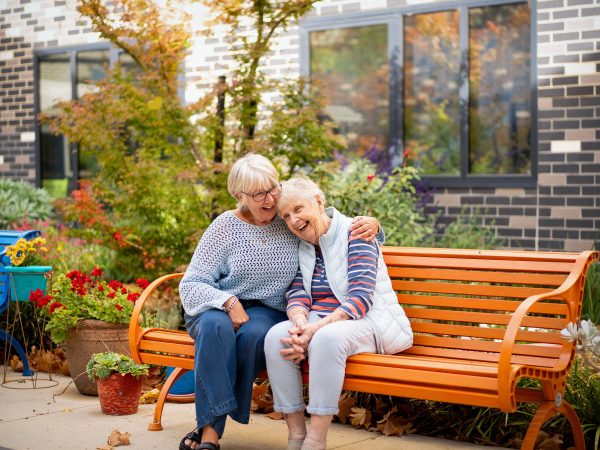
<point x="250" y="174"/>
<point x="295" y="188"/>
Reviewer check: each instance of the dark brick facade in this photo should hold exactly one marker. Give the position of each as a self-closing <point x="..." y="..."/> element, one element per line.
<point x="561" y="213"/>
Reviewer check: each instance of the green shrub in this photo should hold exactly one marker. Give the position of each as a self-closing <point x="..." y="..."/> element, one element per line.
<point x="20" y="201"/>
<point x="358" y="190"/>
<point x="583" y="393"/>
<point x="591" y="298"/>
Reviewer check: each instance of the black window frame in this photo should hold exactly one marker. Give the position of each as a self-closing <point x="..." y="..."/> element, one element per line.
<point x="394" y="18"/>
<point x="72" y="51"/>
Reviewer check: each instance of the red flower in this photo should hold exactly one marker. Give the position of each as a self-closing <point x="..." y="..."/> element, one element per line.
<point x="74" y="275"/>
<point x="119" y="307"/>
<point x="44" y="301"/>
<point x="115" y="285"/>
<point x="100" y="288"/>
<point x="142" y="283"/>
<point x="97" y="272"/>
<point x="123" y="290"/>
<point x="111" y="294"/>
<point x="370" y="177"/>
<point x="54" y="306"/>
<point x="36" y="296"/>
<point x="405" y="154"/>
<point x="133" y="296"/>
<point x="117" y="236"/>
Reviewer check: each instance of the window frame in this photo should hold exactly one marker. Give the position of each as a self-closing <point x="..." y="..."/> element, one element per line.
<point x="394" y="18"/>
<point x="72" y="51"/>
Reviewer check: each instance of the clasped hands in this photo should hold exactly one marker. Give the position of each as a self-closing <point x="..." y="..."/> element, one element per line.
<point x="301" y="333"/>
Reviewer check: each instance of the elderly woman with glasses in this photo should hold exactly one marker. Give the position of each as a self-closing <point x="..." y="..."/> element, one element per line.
<point x="233" y="292"/>
<point x="341" y="303"/>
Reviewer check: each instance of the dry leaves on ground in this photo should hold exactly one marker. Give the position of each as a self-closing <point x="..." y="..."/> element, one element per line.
<point x="149" y="397"/>
<point x="360" y="417"/>
<point x="54" y="361"/>
<point x="393" y="425"/>
<point x="543" y="441"/>
<point x="275" y="415"/>
<point x="262" y="400"/>
<point x="345" y="407"/>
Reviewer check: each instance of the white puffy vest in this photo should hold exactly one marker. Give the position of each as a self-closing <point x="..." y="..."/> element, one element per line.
<point x="392" y="327"/>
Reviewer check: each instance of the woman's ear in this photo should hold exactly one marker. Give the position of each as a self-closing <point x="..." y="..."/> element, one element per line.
<point x="320" y="201"/>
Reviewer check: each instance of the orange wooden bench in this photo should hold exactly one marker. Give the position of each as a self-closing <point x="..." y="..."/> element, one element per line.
<point x="482" y="319"/>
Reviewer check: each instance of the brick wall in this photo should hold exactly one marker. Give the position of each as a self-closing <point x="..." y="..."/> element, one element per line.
<point x="562" y="213"/>
<point x="25" y="26"/>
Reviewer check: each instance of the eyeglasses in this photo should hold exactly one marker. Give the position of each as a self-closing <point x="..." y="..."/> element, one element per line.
<point x="258" y="197"/>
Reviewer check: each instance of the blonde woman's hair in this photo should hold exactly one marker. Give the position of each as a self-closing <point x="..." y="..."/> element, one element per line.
<point x="303" y="188"/>
<point x="249" y="174"/>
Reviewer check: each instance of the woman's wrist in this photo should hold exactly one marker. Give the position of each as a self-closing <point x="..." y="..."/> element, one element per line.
<point x="229" y="304"/>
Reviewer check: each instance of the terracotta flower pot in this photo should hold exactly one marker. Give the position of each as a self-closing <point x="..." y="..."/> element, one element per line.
<point x="89" y="337"/>
<point x="119" y="394"/>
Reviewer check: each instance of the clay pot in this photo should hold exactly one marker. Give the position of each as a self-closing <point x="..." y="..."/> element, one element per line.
<point x="119" y="394"/>
<point x="89" y="337"/>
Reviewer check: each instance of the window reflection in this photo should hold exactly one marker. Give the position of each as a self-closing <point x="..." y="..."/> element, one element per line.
<point x="350" y="65"/>
<point x="499" y="85"/>
<point x="431" y="92"/>
<point x="56" y="157"/>
<point x="91" y="67"/>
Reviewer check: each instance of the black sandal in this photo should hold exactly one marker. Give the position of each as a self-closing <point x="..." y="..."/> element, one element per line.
<point x="208" y="446"/>
<point x="192" y="436"/>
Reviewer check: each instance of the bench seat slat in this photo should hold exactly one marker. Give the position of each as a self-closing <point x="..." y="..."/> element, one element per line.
<point x="400" y="389"/>
<point x="159" y="346"/>
<point x="422" y="377"/>
<point x="479" y="276"/>
<point x="167" y="360"/>
<point x="559" y="309"/>
<point x="169" y="336"/>
<point x="483" y="290"/>
<point x="461" y="354"/>
<point x="437" y="365"/>
<point x="479" y="317"/>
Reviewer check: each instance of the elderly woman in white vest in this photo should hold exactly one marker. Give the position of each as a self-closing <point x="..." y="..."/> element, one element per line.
<point x="233" y="292"/>
<point x="341" y="303"/>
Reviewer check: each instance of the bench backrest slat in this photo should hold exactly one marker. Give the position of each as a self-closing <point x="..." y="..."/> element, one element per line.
<point x="463" y="303"/>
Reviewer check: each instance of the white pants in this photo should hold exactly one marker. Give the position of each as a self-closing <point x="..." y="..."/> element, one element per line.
<point x="327" y="353"/>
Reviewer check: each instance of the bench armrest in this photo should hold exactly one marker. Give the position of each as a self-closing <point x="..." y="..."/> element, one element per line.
<point x="575" y="280"/>
<point x="135" y="331"/>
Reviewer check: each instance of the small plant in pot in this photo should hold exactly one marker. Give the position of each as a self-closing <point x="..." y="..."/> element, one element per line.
<point x="119" y="380"/>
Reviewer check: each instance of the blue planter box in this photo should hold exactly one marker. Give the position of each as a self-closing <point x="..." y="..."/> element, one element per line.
<point x="24" y="280"/>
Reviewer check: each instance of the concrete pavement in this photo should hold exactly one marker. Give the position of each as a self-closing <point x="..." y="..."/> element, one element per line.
<point x="39" y="419"/>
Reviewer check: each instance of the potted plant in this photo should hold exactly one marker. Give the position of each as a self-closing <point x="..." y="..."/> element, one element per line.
<point x="90" y="315"/>
<point x="119" y="380"/>
<point x="25" y="274"/>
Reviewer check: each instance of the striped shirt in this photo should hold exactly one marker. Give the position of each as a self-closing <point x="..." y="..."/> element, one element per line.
<point x="362" y="272"/>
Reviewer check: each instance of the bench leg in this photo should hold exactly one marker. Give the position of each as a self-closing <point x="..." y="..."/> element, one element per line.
<point x="543" y="413"/>
<point x="156" y="424"/>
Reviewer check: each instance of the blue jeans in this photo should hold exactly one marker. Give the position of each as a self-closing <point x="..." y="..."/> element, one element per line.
<point x="227" y="362"/>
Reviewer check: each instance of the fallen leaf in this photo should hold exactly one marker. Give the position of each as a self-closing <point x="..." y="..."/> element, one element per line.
<point x="150" y="396"/>
<point x="105" y="447"/>
<point x="262" y="400"/>
<point x="345" y="405"/>
<point x="117" y="438"/>
<point x="275" y="415"/>
<point x="395" y="426"/>
<point x="67" y="410"/>
<point x="16" y="364"/>
<point x="550" y="443"/>
<point x="360" y="417"/>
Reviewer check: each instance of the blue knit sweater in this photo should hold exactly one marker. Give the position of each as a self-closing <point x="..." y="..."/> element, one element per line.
<point x="234" y="257"/>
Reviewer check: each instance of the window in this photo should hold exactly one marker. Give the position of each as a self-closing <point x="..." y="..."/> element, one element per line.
<point x="449" y="86"/>
<point x="66" y="74"/>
